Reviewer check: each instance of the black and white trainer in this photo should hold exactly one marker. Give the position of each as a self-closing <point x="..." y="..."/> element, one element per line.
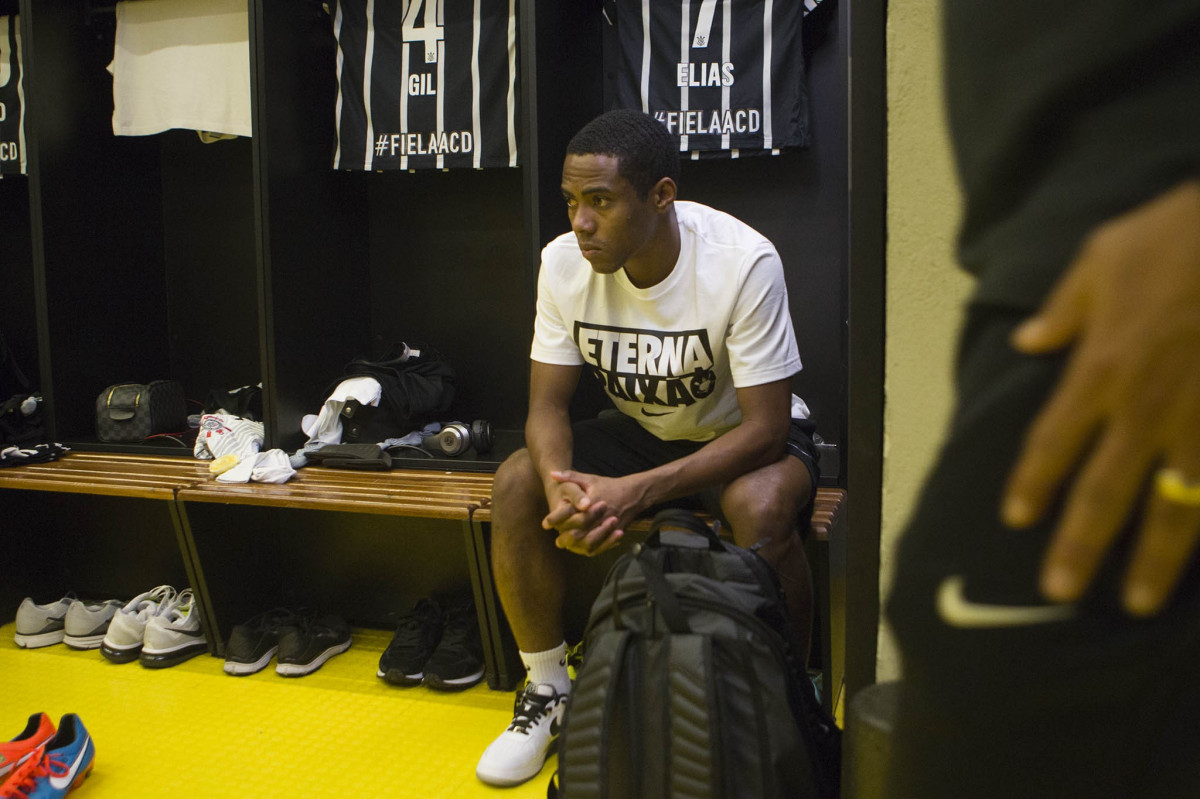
<point x="457" y="663"/>
<point x="417" y="635"/>
<point x="518" y="753"/>
<point x="313" y="639"/>
<point x="255" y="641"/>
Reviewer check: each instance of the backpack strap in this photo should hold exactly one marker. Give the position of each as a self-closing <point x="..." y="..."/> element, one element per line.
<point x="678" y="517"/>
<point x="664" y="595"/>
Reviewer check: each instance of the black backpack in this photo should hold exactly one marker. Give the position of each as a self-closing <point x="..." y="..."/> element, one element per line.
<point x="689" y="685"/>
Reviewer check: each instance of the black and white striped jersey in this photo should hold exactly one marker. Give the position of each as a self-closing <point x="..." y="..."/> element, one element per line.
<point x="722" y="75"/>
<point x="12" y="99"/>
<point x="426" y="84"/>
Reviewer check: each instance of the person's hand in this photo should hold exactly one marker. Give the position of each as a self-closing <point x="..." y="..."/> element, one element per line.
<point x="595" y="518"/>
<point x="1126" y="408"/>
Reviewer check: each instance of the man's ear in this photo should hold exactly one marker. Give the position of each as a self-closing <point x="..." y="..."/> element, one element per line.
<point x="663" y="193"/>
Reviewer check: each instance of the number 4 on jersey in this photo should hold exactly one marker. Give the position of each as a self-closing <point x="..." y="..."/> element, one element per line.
<point x="430" y="31"/>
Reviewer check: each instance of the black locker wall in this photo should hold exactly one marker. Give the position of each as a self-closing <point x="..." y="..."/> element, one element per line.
<point x="250" y="260"/>
<point x="224" y="264"/>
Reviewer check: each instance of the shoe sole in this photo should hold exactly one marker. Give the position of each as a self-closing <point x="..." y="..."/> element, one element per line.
<point x="161" y="659"/>
<point x="456" y="684"/>
<point x="402" y="680"/>
<point x="300" y="669"/>
<point x="120" y="654"/>
<point x="83" y="641"/>
<point x="240" y="668"/>
<point x="39" y="640"/>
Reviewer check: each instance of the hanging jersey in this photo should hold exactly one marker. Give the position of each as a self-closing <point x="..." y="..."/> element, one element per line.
<point x="12" y="99"/>
<point x="426" y="84"/>
<point x="722" y="75"/>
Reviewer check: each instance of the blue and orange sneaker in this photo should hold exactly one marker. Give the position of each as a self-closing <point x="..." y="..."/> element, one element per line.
<point x="57" y="767"/>
<point x="15" y="752"/>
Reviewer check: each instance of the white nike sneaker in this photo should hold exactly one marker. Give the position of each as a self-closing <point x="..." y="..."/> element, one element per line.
<point x="174" y="636"/>
<point x="42" y="625"/>
<point x="87" y="623"/>
<point x="123" y="640"/>
<point x="518" y="754"/>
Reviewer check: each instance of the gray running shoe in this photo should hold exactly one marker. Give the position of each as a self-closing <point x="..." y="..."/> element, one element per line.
<point x="87" y="623"/>
<point x="42" y="625"/>
<point x="123" y="641"/>
<point x="174" y="636"/>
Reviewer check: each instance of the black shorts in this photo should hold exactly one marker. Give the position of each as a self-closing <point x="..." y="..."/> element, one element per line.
<point x="614" y="445"/>
<point x="1096" y="704"/>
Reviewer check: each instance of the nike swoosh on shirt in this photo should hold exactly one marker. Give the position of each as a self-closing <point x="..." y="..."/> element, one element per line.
<point x="958" y="611"/>
<point x="650" y="413"/>
<point x="65" y="780"/>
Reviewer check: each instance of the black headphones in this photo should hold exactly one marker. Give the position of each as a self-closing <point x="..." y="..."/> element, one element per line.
<point x="456" y="438"/>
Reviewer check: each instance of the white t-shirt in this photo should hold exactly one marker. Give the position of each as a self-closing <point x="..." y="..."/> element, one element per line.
<point x="181" y="64"/>
<point x="672" y="355"/>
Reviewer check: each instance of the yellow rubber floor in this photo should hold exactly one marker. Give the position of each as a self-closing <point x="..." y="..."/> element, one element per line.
<point x="192" y="731"/>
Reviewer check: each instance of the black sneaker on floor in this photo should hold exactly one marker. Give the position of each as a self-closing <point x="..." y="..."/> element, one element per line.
<point x="255" y="641"/>
<point x="309" y="642"/>
<point x="457" y="663"/>
<point x="417" y="636"/>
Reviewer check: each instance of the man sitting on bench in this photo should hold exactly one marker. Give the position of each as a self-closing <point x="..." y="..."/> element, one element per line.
<point x="681" y="312"/>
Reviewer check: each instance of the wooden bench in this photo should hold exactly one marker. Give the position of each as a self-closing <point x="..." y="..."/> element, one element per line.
<point x="145" y="476"/>
<point x="460" y="499"/>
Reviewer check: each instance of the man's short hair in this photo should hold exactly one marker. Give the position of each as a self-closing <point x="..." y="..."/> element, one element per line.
<point x="644" y="150"/>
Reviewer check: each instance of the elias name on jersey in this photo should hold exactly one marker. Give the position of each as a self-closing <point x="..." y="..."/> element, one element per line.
<point x="721" y="75"/>
<point x="653" y="367"/>
<point x="716" y="122"/>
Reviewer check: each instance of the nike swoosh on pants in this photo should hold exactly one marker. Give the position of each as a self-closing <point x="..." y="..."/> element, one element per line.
<point x="957" y="611"/>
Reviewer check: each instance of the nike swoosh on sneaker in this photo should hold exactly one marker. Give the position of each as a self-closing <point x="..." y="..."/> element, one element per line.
<point x="63" y="782"/>
<point x="957" y="611"/>
<point x="189" y="633"/>
<point x="554" y="726"/>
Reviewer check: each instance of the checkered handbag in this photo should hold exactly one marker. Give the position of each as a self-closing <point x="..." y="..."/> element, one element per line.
<point x="133" y="411"/>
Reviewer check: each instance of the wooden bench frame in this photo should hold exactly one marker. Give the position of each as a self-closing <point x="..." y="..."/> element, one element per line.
<point x="459" y="498"/>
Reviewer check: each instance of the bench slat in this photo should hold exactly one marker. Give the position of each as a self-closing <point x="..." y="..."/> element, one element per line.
<point x="148" y="477"/>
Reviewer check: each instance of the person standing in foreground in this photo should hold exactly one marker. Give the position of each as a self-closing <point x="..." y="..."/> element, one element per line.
<point x="681" y="311"/>
<point x="1046" y="599"/>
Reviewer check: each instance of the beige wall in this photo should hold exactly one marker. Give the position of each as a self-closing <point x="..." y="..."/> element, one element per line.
<point x="924" y="289"/>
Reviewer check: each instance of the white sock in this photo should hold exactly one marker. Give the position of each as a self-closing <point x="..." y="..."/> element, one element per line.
<point x="272" y="466"/>
<point x="549" y="668"/>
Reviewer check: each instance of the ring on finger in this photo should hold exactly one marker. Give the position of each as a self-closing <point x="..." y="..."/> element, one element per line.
<point x="1173" y="486"/>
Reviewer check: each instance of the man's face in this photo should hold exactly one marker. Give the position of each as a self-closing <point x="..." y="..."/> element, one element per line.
<point x="611" y="222"/>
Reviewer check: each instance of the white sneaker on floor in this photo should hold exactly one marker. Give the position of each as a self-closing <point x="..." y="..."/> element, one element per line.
<point x="42" y="625"/>
<point x="123" y="640"/>
<point x="518" y="754"/>
<point x="87" y="622"/>
<point x="174" y="636"/>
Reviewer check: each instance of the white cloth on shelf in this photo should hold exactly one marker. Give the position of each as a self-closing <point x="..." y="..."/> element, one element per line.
<point x="326" y="427"/>
<point x="181" y="64"/>
<point x="272" y="466"/>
